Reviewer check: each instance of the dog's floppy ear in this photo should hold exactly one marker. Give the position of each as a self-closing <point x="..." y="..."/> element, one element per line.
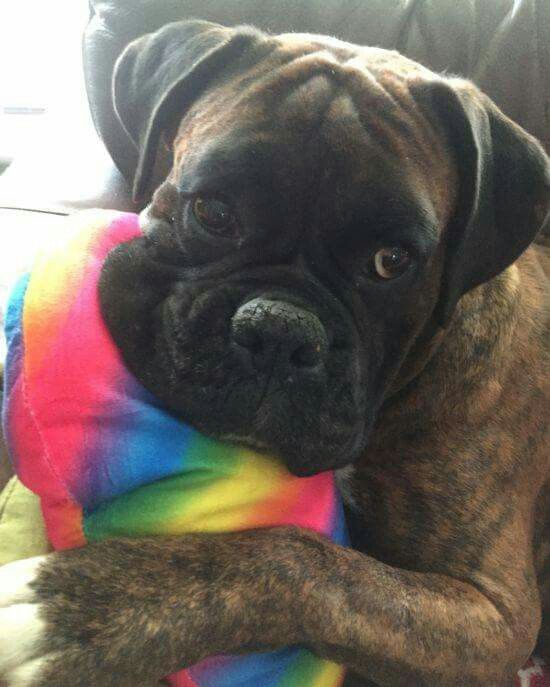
<point x="504" y="188"/>
<point x="158" y="76"/>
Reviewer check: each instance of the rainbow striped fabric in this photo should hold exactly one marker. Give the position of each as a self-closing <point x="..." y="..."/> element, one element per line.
<point x="108" y="460"/>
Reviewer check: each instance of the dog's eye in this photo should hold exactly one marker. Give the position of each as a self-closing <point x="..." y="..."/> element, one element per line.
<point x="389" y="263"/>
<point x="215" y="215"/>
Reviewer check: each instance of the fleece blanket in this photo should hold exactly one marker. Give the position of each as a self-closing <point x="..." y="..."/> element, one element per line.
<point x="107" y="459"/>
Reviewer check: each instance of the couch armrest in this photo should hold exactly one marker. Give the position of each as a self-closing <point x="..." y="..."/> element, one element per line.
<point x="63" y="167"/>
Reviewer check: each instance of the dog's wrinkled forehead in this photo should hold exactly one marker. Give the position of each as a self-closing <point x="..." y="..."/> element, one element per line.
<point x="326" y="112"/>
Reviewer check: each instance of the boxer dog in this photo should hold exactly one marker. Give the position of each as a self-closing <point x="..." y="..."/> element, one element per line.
<point x="340" y="268"/>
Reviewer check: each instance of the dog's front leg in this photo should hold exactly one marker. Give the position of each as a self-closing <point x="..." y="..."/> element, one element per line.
<point x="127" y="612"/>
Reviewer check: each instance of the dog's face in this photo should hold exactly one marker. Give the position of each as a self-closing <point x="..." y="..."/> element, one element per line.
<point x="299" y="245"/>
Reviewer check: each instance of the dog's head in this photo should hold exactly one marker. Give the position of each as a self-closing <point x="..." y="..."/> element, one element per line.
<point x="323" y="206"/>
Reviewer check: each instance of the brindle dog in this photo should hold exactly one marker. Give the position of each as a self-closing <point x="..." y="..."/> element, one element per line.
<point x="338" y="267"/>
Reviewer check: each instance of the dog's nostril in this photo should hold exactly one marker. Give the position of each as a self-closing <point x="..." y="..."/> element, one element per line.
<point x="308" y="355"/>
<point x="248" y="338"/>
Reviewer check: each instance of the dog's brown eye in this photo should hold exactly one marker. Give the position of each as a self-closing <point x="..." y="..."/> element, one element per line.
<point x="389" y="263"/>
<point x="215" y="215"/>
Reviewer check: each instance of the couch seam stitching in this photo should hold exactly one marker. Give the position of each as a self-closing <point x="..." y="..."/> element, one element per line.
<point x="7" y="494"/>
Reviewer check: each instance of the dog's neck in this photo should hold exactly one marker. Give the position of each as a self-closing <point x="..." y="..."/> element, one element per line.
<point x="484" y="322"/>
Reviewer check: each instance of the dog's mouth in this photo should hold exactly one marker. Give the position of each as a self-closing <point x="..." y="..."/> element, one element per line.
<point x="266" y="374"/>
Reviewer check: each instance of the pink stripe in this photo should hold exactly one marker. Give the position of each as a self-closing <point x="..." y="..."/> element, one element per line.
<point x="307" y="502"/>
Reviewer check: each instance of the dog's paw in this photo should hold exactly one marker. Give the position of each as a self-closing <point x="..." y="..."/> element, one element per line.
<point x="63" y="618"/>
<point x="123" y="613"/>
<point x="22" y="626"/>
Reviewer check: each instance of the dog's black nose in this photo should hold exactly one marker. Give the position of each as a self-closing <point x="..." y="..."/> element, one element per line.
<point x="273" y="332"/>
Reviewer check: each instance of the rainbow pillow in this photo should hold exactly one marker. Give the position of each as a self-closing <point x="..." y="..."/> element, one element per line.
<point x="108" y="460"/>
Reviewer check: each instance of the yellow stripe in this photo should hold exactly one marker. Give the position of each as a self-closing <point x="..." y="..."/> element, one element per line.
<point x="228" y="503"/>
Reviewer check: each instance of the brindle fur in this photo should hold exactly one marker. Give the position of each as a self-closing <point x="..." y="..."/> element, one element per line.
<point x="450" y="582"/>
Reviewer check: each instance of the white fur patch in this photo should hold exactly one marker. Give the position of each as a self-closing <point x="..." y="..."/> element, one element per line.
<point x="21" y="635"/>
<point x="22" y="630"/>
<point x="344" y="482"/>
<point x="15" y="579"/>
<point x="27" y="674"/>
<point x="144" y="218"/>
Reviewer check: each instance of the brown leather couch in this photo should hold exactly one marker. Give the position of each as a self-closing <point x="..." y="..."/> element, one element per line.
<point x="83" y="161"/>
